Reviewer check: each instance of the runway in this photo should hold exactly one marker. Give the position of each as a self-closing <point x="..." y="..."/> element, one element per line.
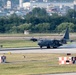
<point x="37" y="50"/>
<point x="68" y="48"/>
<point x="63" y="74"/>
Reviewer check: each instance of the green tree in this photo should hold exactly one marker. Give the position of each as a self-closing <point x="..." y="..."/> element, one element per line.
<point x="15" y="20"/>
<point x="39" y="12"/>
<point x="23" y="27"/>
<point x="71" y="13"/>
<point x="36" y="16"/>
<point x="42" y="27"/>
<point x="14" y="29"/>
<point x="63" y="26"/>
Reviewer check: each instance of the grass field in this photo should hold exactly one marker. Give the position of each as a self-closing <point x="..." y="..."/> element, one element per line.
<point x="18" y="40"/>
<point x="34" y="64"/>
<point x="17" y="43"/>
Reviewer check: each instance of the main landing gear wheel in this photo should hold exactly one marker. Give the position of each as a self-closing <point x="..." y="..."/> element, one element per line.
<point x="40" y="46"/>
<point x="48" y="47"/>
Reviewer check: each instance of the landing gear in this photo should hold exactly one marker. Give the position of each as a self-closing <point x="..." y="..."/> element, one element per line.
<point x="40" y="46"/>
<point x="48" y="47"/>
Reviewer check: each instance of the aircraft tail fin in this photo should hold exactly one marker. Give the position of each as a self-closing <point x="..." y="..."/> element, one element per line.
<point x="66" y="35"/>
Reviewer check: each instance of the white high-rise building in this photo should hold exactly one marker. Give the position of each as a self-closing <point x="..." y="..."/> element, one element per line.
<point x="21" y="3"/>
<point x="8" y="4"/>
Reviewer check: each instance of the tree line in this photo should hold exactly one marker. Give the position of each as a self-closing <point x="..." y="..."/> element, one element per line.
<point x="38" y="21"/>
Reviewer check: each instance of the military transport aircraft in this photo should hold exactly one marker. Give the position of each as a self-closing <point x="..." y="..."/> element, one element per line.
<point x="53" y="43"/>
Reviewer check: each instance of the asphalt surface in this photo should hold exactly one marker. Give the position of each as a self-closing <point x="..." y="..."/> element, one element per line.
<point x="67" y="48"/>
<point x="37" y="50"/>
<point x="63" y="74"/>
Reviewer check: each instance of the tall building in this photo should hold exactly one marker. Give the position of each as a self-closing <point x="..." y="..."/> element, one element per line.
<point x="8" y="4"/>
<point x="21" y="3"/>
<point x="74" y="4"/>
